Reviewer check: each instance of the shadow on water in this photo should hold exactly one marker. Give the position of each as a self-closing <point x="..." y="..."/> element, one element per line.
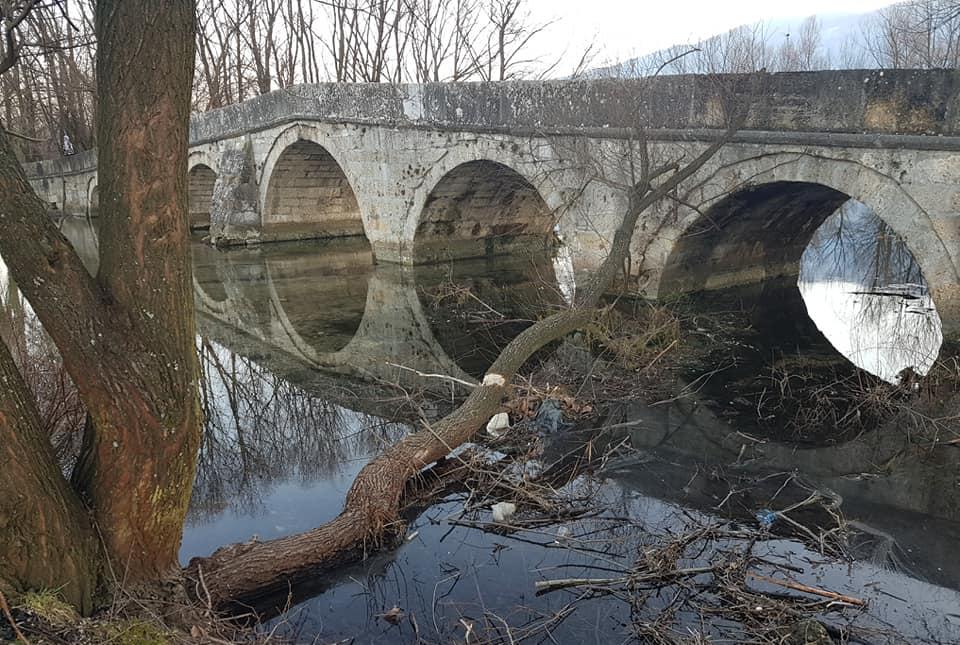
<point x="805" y="359"/>
<point x="300" y="346"/>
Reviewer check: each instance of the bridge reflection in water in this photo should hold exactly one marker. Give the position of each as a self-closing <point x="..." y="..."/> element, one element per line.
<point x="308" y="350"/>
<point x="328" y="306"/>
<point x="285" y="439"/>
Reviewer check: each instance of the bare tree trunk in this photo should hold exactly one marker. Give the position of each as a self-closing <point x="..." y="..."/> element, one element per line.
<point x="152" y="410"/>
<point x="127" y="336"/>
<point x="46" y="539"/>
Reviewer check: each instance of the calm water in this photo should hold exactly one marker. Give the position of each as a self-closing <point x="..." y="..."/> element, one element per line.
<point x="864" y="290"/>
<point x="313" y="357"/>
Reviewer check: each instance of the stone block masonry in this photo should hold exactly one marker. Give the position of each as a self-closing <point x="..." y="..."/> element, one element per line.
<point x="432" y="172"/>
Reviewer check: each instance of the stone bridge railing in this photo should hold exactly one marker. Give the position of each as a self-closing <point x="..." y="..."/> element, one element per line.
<point x="879" y="102"/>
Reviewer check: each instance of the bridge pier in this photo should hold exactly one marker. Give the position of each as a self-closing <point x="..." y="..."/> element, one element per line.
<point x="947" y="299"/>
<point x="234" y="208"/>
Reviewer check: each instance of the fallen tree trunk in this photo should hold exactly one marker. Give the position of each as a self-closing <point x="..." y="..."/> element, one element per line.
<point x="371" y="516"/>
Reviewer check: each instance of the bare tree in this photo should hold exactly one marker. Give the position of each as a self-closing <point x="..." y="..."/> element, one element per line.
<point x="741" y="50"/>
<point x="48" y="98"/>
<point x="126" y="335"/>
<point x="508" y="40"/>
<point x="246" y="48"/>
<point x="802" y="51"/>
<point x="914" y="34"/>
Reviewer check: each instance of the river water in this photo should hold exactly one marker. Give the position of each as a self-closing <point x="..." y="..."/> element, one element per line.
<point x="315" y="358"/>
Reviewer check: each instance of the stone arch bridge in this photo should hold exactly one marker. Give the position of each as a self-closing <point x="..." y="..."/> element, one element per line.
<point x="439" y="171"/>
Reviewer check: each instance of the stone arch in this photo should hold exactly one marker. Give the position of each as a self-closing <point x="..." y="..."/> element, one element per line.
<point x="758" y="232"/>
<point x="305" y="192"/>
<point x="766" y="208"/>
<point x="480" y="208"/>
<point x="201" y="179"/>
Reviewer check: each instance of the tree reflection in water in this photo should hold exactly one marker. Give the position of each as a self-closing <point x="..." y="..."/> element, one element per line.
<point x="61" y="411"/>
<point x="865" y="291"/>
<point x="262" y="430"/>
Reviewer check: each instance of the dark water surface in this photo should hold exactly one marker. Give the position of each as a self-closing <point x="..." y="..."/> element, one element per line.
<point x="313" y="357"/>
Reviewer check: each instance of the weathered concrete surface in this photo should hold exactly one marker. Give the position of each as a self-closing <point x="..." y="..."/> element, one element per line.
<point x="428" y="172"/>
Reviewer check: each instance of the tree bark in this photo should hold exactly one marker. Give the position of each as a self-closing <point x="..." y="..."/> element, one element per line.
<point x="138" y="471"/>
<point x="46" y="539"/>
<point x="127" y="336"/>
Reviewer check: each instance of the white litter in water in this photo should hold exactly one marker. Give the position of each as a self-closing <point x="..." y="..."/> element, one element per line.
<point x="503" y="510"/>
<point x="498" y="425"/>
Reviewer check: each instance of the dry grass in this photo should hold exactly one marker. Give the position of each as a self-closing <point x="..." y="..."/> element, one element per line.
<point x="638" y="338"/>
<point x="137" y="618"/>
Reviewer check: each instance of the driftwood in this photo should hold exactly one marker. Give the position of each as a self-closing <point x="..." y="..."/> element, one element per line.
<point x="797" y="586"/>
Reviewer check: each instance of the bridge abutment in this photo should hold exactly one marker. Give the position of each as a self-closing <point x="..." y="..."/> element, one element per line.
<point x="947" y="299"/>
<point x="234" y="209"/>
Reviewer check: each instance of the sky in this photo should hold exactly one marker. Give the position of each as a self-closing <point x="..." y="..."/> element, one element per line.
<point x="623" y="29"/>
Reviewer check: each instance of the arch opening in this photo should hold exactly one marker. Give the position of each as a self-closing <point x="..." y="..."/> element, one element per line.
<point x="309" y="196"/>
<point x="754" y="234"/>
<point x="856" y="278"/>
<point x="865" y="292"/>
<point x="201" y="182"/>
<point x="482" y="208"/>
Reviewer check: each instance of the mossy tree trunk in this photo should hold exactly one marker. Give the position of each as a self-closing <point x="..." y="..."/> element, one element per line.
<point x="138" y="468"/>
<point x="126" y="336"/>
<point x="46" y="538"/>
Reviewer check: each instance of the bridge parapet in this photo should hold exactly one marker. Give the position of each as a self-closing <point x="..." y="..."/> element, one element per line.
<point x="889" y="102"/>
<point x="918" y="102"/>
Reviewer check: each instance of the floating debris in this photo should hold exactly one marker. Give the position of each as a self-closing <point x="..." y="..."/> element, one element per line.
<point x="393" y="616"/>
<point x="766" y="517"/>
<point x="503" y="511"/>
<point x="549" y="418"/>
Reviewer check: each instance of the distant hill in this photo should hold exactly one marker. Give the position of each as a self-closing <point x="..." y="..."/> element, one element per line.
<point x="839" y="47"/>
